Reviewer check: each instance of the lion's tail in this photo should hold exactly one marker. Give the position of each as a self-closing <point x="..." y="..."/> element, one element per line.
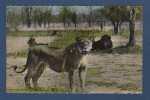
<point x="15" y="67"/>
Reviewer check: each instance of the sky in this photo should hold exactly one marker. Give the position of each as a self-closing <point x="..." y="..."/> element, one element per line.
<point x="55" y="9"/>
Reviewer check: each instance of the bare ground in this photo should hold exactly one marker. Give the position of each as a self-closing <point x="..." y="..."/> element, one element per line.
<point x="107" y="73"/>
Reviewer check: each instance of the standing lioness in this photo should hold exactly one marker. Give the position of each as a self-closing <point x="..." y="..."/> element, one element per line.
<point x="68" y="61"/>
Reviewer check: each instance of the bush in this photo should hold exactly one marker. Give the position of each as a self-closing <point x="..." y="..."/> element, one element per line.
<point x="66" y="38"/>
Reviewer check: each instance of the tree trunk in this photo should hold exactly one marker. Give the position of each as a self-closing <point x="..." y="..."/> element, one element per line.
<point x="89" y="23"/>
<point x="39" y="23"/>
<point x="48" y="24"/>
<point x="120" y="29"/>
<point x="132" y="34"/>
<point x="90" y="17"/>
<point x="75" y="25"/>
<point x="45" y="24"/>
<point x="28" y="22"/>
<point x="101" y="25"/>
<point x="64" y="23"/>
<point x="116" y="24"/>
<point x="132" y="28"/>
<point x="28" y="19"/>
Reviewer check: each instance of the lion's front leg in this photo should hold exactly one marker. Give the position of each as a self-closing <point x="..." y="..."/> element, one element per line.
<point x="71" y="80"/>
<point x="37" y="73"/>
<point x="82" y="76"/>
<point x="27" y="79"/>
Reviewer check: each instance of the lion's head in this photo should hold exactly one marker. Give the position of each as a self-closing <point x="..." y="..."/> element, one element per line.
<point x="79" y="48"/>
<point x="31" y="42"/>
<point x="84" y="46"/>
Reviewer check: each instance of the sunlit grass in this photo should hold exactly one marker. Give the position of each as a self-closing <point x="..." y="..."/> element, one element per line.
<point x="28" y="33"/>
<point x="22" y="53"/>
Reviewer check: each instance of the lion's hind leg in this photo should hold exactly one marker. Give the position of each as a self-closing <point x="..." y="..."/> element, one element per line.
<point x="32" y="64"/>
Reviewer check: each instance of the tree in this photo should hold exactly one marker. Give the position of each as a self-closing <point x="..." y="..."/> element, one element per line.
<point x="46" y="16"/>
<point x="35" y="17"/>
<point x="23" y="16"/>
<point x="49" y="16"/>
<point x="98" y="18"/>
<point x="74" y="19"/>
<point x="65" y="15"/>
<point x="134" y="14"/>
<point x="116" y="14"/>
<point x="13" y="20"/>
<point x="90" y="17"/>
<point x="39" y="18"/>
<point x="28" y="12"/>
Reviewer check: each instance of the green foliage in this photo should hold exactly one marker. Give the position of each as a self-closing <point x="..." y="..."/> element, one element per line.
<point x="74" y="18"/>
<point x="65" y="14"/>
<point x="139" y="12"/>
<point x="28" y="16"/>
<point x="120" y="13"/>
<point x="42" y="16"/>
<point x="14" y="20"/>
<point x="115" y="13"/>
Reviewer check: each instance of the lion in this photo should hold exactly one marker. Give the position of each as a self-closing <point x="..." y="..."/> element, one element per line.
<point x="71" y="59"/>
<point x="104" y="43"/>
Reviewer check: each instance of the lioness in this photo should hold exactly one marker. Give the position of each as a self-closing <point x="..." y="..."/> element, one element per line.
<point x="68" y="61"/>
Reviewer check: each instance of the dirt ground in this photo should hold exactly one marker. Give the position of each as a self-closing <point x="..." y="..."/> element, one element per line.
<point x="107" y="73"/>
